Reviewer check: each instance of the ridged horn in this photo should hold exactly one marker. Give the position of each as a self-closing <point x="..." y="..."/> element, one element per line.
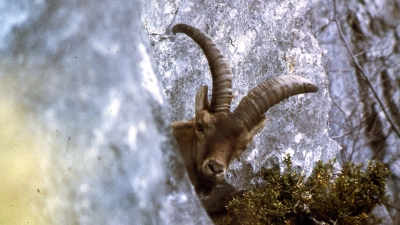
<point x="220" y="70"/>
<point x="269" y="93"/>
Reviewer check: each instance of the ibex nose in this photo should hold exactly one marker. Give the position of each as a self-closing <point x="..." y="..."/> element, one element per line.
<point x="214" y="168"/>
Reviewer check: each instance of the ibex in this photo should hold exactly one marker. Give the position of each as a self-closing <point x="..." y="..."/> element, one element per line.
<point x="215" y="136"/>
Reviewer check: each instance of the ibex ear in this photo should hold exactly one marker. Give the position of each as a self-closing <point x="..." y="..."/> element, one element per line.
<point x="258" y="127"/>
<point x="201" y="100"/>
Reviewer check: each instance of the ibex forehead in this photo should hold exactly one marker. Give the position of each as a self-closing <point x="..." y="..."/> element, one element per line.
<point x="223" y="131"/>
<point x="210" y="119"/>
<point x="224" y="122"/>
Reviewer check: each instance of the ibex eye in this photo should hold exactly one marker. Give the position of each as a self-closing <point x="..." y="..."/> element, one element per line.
<point x="199" y="127"/>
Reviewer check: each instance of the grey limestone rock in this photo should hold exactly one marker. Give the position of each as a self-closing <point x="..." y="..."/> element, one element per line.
<point x="261" y="40"/>
<point x="84" y="74"/>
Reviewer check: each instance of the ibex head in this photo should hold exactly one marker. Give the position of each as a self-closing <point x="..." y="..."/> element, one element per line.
<point x="215" y="136"/>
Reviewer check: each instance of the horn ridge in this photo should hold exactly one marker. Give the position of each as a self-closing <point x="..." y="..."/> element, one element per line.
<point x="220" y="70"/>
<point x="269" y="93"/>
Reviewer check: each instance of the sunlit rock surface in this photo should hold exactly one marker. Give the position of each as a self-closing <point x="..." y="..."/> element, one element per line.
<point x="261" y="40"/>
<point x="85" y="137"/>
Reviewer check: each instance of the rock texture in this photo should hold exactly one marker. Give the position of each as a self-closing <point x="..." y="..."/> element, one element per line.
<point x="261" y="40"/>
<point x="365" y="125"/>
<point x="94" y="144"/>
<point x="85" y="109"/>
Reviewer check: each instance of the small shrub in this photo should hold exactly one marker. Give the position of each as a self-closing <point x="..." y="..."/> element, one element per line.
<point x="322" y="198"/>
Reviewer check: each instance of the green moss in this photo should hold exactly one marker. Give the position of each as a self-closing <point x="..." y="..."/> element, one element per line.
<point x="324" y="198"/>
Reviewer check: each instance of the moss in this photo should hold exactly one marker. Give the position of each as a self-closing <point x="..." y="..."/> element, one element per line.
<point x="323" y="198"/>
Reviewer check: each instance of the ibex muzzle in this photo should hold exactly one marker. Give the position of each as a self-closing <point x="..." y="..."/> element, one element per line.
<point x="215" y="136"/>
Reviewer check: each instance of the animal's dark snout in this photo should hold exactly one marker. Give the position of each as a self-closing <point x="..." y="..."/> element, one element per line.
<point x="215" y="167"/>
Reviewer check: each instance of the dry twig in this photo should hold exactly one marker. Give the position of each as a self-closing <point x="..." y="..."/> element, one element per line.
<point x="358" y="66"/>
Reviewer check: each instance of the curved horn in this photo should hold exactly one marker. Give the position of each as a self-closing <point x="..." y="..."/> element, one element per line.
<point x="220" y="70"/>
<point x="269" y="93"/>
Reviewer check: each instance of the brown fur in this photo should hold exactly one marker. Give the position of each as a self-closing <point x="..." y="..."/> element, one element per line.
<point x="211" y="137"/>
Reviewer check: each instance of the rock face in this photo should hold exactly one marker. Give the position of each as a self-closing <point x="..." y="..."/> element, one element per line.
<point x="101" y="150"/>
<point x="86" y="119"/>
<point x="357" y="121"/>
<point x="261" y="40"/>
